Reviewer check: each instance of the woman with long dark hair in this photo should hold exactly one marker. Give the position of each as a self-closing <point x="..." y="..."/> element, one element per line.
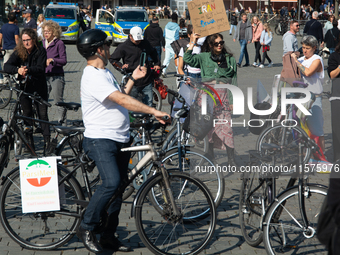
<point x="29" y="61"/>
<point x="219" y="66"/>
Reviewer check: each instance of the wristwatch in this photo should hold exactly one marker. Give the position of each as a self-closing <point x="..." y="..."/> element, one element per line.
<point x="131" y="78"/>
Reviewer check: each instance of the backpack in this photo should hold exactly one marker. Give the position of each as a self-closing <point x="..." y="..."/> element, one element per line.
<point x="178" y="44"/>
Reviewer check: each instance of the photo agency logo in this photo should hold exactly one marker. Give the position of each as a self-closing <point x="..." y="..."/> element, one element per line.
<point x="238" y="104"/>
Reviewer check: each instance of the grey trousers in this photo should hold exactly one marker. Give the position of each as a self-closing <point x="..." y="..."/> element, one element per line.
<point x="55" y="86"/>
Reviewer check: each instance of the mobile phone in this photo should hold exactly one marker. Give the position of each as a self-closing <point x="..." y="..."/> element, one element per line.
<point x="142" y="59"/>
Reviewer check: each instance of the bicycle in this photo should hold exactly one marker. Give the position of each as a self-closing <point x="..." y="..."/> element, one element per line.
<point x="180" y="197"/>
<point x="291" y="220"/>
<point x="282" y="27"/>
<point x="183" y="157"/>
<point x="259" y="189"/>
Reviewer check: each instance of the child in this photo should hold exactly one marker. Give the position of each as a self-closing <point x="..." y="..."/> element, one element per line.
<point x="266" y="40"/>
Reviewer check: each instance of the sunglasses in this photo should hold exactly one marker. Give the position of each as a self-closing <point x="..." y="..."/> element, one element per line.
<point x="218" y="43"/>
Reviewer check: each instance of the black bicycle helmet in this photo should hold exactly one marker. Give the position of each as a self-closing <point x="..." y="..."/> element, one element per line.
<point x="183" y="32"/>
<point x="89" y="41"/>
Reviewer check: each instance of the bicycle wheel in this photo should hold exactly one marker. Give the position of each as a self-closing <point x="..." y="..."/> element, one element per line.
<point x="157" y="99"/>
<point x="166" y="233"/>
<point x="198" y="166"/>
<point x="284" y="231"/>
<point x="187" y="139"/>
<point x="287" y="138"/>
<point x="252" y="197"/>
<point x="43" y="230"/>
<point x="278" y="29"/>
<point x="5" y="94"/>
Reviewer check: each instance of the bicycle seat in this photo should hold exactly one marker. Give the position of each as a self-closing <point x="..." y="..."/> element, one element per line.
<point x="68" y="130"/>
<point x="139" y="115"/>
<point x="69" y="106"/>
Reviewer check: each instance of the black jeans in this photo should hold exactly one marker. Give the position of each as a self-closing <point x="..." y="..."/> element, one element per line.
<point x="264" y="57"/>
<point x="257" y="52"/>
<point x="27" y="108"/>
<point x="335" y="104"/>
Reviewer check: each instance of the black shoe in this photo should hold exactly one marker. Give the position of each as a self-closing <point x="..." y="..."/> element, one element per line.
<point x="238" y="65"/>
<point x="89" y="240"/>
<point x="245" y="65"/>
<point x="114" y="244"/>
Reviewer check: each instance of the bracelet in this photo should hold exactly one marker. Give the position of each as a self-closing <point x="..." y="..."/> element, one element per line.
<point x="131" y="78"/>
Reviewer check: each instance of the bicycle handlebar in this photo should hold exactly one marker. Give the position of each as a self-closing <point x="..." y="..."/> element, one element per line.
<point x="177" y="95"/>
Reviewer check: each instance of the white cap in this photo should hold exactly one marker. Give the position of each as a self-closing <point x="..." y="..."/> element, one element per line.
<point x="136" y="33"/>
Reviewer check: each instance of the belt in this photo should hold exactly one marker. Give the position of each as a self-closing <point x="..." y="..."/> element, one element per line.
<point x="54" y="74"/>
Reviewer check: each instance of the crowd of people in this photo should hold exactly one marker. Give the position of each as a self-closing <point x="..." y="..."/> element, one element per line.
<point x="105" y="106"/>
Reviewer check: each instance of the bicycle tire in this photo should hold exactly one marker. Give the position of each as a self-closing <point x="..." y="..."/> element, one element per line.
<point x="176" y="234"/>
<point x="156" y="99"/>
<point x="30" y="230"/>
<point x="171" y="141"/>
<point x="295" y="238"/>
<point x="277" y="30"/>
<point x="250" y="213"/>
<point x="216" y="184"/>
<point x="288" y="155"/>
<point x="5" y="94"/>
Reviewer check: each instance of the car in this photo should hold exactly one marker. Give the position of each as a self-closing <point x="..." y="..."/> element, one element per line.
<point x="67" y="16"/>
<point x="117" y="25"/>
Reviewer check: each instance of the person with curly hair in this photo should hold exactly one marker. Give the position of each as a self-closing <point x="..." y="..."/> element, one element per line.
<point x="28" y="61"/>
<point x="56" y="59"/>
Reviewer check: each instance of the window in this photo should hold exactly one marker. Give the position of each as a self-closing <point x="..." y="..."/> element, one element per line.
<point x="60" y="13"/>
<point x="131" y="16"/>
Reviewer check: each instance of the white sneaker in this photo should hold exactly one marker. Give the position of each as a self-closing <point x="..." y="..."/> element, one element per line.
<point x="164" y="75"/>
<point x="261" y="66"/>
<point x="254" y="64"/>
<point x="1" y="81"/>
<point x="270" y="64"/>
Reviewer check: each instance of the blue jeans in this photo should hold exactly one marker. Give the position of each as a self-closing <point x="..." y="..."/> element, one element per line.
<point x="243" y="52"/>
<point x="159" y="53"/>
<point x="112" y="166"/>
<point x="147" y="91"/>
<point x="195" y="75"/>
<point x="231" y="29"/>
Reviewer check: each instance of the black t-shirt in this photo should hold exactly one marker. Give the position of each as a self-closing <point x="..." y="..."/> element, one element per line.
<point x="31" y="24"/>
<point x="333" y="63"/>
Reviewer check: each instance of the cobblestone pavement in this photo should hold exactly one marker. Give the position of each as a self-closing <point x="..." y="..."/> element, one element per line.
<point x="228" y="238"/>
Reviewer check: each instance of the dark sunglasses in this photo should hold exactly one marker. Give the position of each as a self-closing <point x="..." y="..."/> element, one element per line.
<point x="218" y="43"/>
<point x="107" y="43"/>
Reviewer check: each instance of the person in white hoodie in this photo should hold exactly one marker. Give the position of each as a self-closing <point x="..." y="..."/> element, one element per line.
<point x="266" y="41"/>
<point x="171" y="33"/>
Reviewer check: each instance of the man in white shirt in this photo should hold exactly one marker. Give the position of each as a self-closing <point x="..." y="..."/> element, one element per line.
<point x="105" y="113"/>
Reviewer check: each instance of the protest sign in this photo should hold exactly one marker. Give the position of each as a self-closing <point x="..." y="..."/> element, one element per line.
<point x="208" y="17"/>
<point x="39" y="185"/>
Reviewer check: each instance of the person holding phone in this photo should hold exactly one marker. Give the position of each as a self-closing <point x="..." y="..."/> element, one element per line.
<point x="135" y="51"/>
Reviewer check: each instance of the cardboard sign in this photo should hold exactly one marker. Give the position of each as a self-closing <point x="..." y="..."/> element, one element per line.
<point x="208" y="17"/>
<point x="39" y="185"/>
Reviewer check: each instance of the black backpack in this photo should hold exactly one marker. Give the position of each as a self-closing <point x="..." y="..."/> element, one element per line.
<point x="178" y="44"/>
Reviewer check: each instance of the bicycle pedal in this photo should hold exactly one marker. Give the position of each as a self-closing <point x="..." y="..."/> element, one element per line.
<point x="256" y="200"/>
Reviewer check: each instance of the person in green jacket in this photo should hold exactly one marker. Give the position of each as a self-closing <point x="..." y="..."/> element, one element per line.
<point x="217" y="66"/>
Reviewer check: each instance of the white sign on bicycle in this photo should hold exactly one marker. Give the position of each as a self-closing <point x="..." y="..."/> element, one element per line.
<point x="39" y="185"/>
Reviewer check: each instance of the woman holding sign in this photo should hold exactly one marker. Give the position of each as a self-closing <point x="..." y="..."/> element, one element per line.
<point x="217" y="65"/>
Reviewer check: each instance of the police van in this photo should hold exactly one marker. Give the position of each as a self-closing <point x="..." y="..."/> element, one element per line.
<point x="67" y="16"/>
<point x="117" y="25"/>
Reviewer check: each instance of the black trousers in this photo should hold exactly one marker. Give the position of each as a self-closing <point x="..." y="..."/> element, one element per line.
<point x="27" y="108"/>
<point x="335" y="106"/>
<point x="264" y="57"/>
<point x="257" y="52"/>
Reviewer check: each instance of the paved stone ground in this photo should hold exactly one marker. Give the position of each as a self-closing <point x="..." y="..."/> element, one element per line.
<point x="228" y="238"/>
